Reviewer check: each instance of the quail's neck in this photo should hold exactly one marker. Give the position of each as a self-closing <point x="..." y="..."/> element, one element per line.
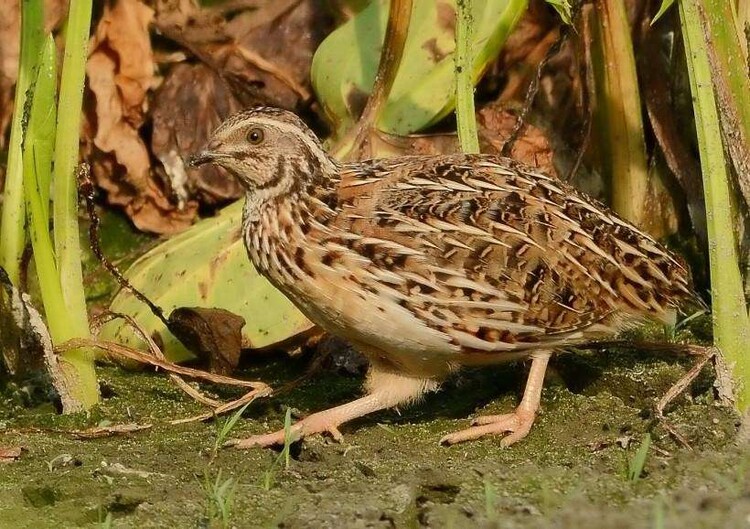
<point x="277" y="219"/>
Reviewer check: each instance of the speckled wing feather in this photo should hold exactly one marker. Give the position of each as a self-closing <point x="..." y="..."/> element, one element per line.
<point x="500" y="257"/>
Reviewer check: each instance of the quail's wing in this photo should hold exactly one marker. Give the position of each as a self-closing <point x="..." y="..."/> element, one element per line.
<point x="501" y="257"/>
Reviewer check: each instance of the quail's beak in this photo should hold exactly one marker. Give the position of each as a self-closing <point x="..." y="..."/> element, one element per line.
<point x="203" y="157"/>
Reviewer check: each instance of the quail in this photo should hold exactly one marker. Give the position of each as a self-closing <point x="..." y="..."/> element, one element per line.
<point x="427" y="264"/>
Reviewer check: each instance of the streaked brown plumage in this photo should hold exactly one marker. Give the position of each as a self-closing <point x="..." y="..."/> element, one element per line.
<point x="427" y="264"/>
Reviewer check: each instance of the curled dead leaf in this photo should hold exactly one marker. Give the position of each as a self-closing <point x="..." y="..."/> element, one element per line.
<point x="213" y="334"/>
<point x="9" y="454"/>
<point x="178" y="134"/>
<point x="121" y="71"/>
<point x="264" y="49"/>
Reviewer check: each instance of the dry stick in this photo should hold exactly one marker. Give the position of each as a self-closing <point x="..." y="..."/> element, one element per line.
<point x="705" y="353"/>
<point x="586" y="74"/>
<point x="396" y="32"/>
<point x="534" y="85"/>
<point x="87" y="190"/>
<point x="258" y="389"/>
<point x="156" y="353"/>
<point x="117" y="349"/>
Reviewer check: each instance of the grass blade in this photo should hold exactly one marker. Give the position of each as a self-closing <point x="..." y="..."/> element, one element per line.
<point x="12" y="225"/>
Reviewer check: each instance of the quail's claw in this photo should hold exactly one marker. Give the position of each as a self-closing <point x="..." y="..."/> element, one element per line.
<point x="314" y="424"/>
<point x="517" y="423"/>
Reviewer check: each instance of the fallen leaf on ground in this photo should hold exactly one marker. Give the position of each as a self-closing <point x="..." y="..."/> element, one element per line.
<point x="9" y="454"/>
<point x="215" y="335"/>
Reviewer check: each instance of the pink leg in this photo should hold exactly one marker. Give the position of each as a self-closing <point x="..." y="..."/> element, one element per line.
<point x="517" y="423"/>
<point x="385" y="390"/>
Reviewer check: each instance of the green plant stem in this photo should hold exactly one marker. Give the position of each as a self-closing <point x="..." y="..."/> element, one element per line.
<point x="624" y="149"/>
<point x="12" y="228"/>
<point x="730" y="318"/>
<point x="465" y="114"/>
<point x="79" y="379"/>
<point x="77" y="363"/>
<point x="65" y="205"/>
<point x="731" y="84"/>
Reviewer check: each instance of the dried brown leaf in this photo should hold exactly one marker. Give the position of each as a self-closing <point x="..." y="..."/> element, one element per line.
<point x="10" y="27"/>
<point x="266" y="63"/>
<point x="177" y="134"/>
<point x="531" y="147"/>
<point x="9" y="454"/>
<point x="495" y="124"/>
<point x="121" y="71"/>
<point x="213" y="334"/>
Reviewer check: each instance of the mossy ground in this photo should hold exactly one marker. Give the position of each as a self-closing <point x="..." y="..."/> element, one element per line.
<point x="390" y="472"/>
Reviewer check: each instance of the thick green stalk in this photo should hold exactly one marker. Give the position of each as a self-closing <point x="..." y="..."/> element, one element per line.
<point x="731" y="84"/>
<point x="65" y="204"/>
<point x="730" y="318"/>
<point x="12" y="229"/>
<point x="78" y="374"/>
<point x="624" y="149"/>
<point x="465" y="114"/>
<point x="80" y="363"/>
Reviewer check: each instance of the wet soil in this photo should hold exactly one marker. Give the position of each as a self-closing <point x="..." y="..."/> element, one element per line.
<point x="572" y="470"/>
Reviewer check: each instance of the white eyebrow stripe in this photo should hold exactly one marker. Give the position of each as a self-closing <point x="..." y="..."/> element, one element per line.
<point x="287" y="128"/>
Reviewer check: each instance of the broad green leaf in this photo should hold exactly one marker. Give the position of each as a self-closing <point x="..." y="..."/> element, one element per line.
<point x="345" y="64"/>
<point x="205" y="266"/>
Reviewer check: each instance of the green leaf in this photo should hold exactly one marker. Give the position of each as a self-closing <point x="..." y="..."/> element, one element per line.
<point x="563" y="9"/>
<point x="12" y="223"/>
<point x="665" y="4"/>
<point x="205" y="266"/>
<point x="345" y="64"/>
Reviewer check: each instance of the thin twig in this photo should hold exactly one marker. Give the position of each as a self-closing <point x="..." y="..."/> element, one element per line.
<point x="157" y="353"/>
<point x="356" y="142"/>
<point x="117" y="349"/>
<point x="531" y="92"/>
<point x="88" y="192"/>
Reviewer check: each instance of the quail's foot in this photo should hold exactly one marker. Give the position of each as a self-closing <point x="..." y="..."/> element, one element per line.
<point x="516" y="424"/>
<point x="386" y="390"/>
<point x="317" y="423"/>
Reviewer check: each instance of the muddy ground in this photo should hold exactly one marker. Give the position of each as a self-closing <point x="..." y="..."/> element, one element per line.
<point x="572" y="471"/>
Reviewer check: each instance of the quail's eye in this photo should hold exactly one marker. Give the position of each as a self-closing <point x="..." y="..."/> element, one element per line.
<point x="255" y="136"/>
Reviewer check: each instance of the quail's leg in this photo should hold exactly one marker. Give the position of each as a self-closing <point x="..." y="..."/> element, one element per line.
<point x="517" y="424"/>
<point x="385" y="390"/>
